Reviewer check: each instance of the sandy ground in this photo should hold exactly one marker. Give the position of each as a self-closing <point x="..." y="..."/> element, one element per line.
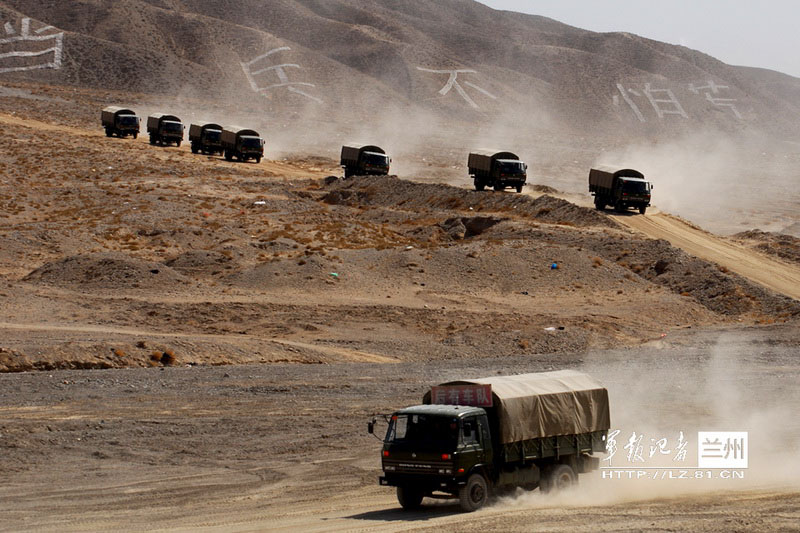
<point x="193" y="344"/>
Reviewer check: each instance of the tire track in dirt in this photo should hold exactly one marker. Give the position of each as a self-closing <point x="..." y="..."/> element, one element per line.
<point x="759" y="268"/>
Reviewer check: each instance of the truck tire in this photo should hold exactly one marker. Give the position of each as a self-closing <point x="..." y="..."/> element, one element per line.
<point x="178" y="144"/>
<point x="135" y="134"/>
<point x="228" y="156"/>
<point x="474" y="494"/>
<point x="642" y="209"/>
<point x="195" y="148"/>
<point x="599" y="204"/>
<point x="498" y="187"/>
<point x="519" y="188"/>
<point x="558" y="477"/>
<point x="409" y="498"/>
<point x="479" y="185"/>
<point x="152" y="139"/>
<point x="258" y="159"/>
<point x="109" y="132"/>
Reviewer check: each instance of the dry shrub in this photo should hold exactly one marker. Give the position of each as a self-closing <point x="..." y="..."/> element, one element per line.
<point x="156" y="356"/>
<point x="596" y="262"/>
<point x="118" y="352"/>
<point x="168" y="358"/>
<point x="523" y="344"/>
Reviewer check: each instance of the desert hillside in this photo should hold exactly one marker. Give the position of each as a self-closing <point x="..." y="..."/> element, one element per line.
<point x="368" y="61"/>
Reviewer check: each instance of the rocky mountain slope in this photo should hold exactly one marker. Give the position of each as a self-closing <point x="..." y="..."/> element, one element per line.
<point x="368" y="61"/>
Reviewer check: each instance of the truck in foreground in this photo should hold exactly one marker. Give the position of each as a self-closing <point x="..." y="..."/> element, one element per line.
<point x="242" y="144"/>
<point x="164" y="129"/>
<point x="206" y="138"/>
<point x="498" y="170"/>
<point x="119" y="121"/>
<point x="472" y="437"/>
<point x="364" y="160"/>
<point x="619" y="188"/>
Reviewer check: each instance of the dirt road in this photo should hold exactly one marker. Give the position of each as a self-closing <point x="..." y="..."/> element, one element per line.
<point x="776" y="275"/>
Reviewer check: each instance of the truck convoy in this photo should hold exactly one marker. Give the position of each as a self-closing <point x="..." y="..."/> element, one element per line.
<point x="242" y="144"/>
<point x="206" y="138"/>
<point x="364" y="160"/>
<point x="471" y="437"/>
<point x="119" y="121"/>
<point x="497" y="170"/>
<point x="164" y="129"/>
<point x="619" y="188"/>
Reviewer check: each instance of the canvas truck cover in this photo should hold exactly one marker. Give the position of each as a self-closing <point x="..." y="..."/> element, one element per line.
<point x="482" y="159"/>
<point x="108" y="114"/>
<point x="603" y="176"/>
<point x="230" y="134"/>
<point x="196" y="130"/>
<point x="529" y="406"/>
<point x="154" y="120"/>
<point x="351" y="152"/>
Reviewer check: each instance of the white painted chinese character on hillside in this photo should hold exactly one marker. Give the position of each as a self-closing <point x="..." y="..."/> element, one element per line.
<point x="663" y="101"/>
<point x="258" y="69"/>
<point x="713" y="89"/>
<point x="452" y="83"/>
<point x="22" y="50"/>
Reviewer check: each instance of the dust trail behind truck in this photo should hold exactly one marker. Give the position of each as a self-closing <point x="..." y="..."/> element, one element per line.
<point x="472" y="437"/>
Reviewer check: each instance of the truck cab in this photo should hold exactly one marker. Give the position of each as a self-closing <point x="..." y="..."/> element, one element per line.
<point x="434" y="448"/>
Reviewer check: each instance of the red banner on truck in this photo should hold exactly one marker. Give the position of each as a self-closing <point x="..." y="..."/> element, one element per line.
<point x="474" y="395"/>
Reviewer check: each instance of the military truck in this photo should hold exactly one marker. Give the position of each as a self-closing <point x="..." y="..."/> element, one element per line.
<point x="472" y="437"/>
<point x="364" y="160"/>
<point x="164" y="129"/>
<point x="242" y="144"/>
<point x="619" y="188"/>
<point x="498" y="170"/>
<point x="206" y="138"/>
<point x="119" y="121"/>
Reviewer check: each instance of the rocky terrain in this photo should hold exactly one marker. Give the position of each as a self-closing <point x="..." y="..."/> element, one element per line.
<point x="188" y="343"/>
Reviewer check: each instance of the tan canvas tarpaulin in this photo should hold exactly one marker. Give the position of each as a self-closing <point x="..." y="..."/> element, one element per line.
<point x="530" y="406"/>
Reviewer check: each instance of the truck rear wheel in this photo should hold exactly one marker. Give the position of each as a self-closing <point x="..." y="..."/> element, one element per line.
<point x="498" y="187"/>
<point x="109" y="132"/>
<point x="474" y="494"/>
<point x="599" y="204"/>
<point x="135" y="134"/>
<point x="519" y="188"/>
<point x="409" y="498"/>
<point x="557" y="478"/>
<point x="642" y="209"/>
<point x="479" y="185"/>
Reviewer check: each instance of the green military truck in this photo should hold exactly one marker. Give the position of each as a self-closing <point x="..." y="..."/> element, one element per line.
<point x="119" y="121"/>
<point x="164" y="129"/>
<point x="242" y="144"/>
<point x="206" y="138"/>
<point x="472" y="437"/>
<point x="619" y="188"/>
<point x="499" y="170"/>
<point x="364" y="160"/>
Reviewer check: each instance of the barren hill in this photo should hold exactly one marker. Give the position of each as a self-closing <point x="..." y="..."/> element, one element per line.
<point x="366" y="61"/>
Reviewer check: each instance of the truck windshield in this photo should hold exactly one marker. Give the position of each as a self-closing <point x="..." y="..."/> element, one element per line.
<point x="511" y="167"/>
<point x="374" y="158"/>
<point x="213" y="135"/>
<point x="424" y="431"/>
<point x="248" y="141"/>
<point x="172" y="126"/>
<point x="635" y="187"/>
<point x="128" y="120"/>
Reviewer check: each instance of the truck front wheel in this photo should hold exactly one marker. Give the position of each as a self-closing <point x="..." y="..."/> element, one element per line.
<point x="479" y="185"/>
<point x="558" y="477"/>
<point x="474" y="494"/>
<point x="519" y="188"/>
<point x="498" y="187"/>
<point x="409" y="498"/>
<point x="642" y="209"/>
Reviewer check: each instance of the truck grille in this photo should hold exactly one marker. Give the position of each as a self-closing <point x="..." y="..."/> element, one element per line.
<point x="418" y="467"/>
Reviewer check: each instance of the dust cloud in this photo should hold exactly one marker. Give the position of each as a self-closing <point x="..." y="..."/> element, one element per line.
<point x="736" y="384"/>
<point x="725" y="183"/>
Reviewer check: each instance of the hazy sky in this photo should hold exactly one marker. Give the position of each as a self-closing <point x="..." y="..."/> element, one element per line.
<point x="739" y="32"/>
